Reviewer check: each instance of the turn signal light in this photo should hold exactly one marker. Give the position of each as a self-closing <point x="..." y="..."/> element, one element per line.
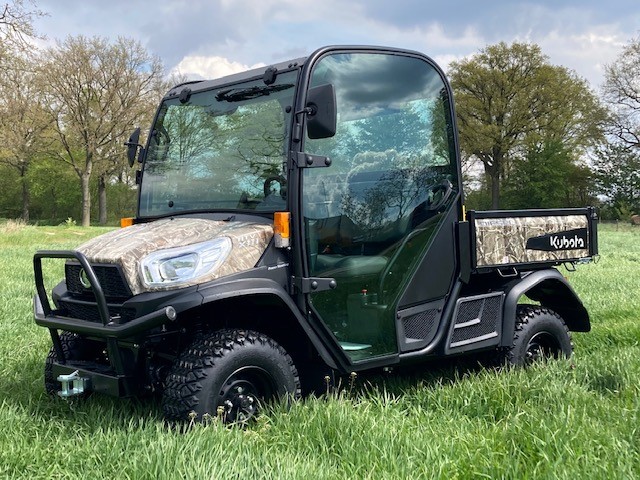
<point x="126" y="222"/>
<point x="281" y="229"/>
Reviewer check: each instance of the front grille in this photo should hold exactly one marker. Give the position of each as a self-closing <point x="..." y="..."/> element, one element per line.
<point x="110" y="277"/>
<point x="89" y="312"/>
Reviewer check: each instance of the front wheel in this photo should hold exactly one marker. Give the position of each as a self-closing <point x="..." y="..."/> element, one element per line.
<point x="540" y="333"/>
<point x="229" y="375"/>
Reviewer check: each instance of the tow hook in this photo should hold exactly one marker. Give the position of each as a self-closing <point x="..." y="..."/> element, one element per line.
<point x="72" y="384"/>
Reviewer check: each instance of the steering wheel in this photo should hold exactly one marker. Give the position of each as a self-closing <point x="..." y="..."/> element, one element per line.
<point x="439" y="194"/>
<point x="280" y="180"/>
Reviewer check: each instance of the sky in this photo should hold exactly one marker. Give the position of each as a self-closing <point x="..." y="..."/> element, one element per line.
<point x="213" y="38"/>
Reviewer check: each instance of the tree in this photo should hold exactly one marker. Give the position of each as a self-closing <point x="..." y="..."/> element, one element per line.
<point x="617" y="171"/>
<point x="20" y="120"/>
<point x="547" y="176"/>
<point x="97" y="91"/>
<point x="509" y="98"/>
<point x="621" y="90"/>
<point x="16" y="23"/>
<point x="55" y="196"/>
<point x="25" y="129"/>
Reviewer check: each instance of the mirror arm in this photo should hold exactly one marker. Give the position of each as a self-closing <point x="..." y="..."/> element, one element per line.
<point x="297" y="133"/>
<point x="309" y="110"/>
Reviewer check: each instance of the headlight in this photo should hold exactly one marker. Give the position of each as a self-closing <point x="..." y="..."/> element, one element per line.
<point x="174" y="266"/>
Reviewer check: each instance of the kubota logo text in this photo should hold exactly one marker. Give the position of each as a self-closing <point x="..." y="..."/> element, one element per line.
<point x="575" y="239"/>
<point x="564" y="243"/>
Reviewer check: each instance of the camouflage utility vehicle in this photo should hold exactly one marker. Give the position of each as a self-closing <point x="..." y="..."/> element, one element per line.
<point x="298" y="221"/>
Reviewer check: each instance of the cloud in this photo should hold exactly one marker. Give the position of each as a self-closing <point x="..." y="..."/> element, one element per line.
<point x="209" y="67"/>
<point x="213" y="37"/>
<point x="586" y="52"/>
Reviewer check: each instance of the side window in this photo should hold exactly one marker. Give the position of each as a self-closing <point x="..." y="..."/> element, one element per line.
<point x="370" y="216"/>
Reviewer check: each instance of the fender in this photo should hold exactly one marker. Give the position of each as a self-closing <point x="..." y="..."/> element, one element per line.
<point x="552" y="290"/>
<point x="248" y="287"/>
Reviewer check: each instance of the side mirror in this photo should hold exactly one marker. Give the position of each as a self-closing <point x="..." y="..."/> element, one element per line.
<point x="321" y="111"/>
<point x="133" y="146"/>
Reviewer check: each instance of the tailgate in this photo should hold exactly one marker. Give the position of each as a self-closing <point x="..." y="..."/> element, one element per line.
<point x="530" y="238"/>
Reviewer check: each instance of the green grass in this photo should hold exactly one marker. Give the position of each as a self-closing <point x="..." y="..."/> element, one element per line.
<point x="566" y="419"/>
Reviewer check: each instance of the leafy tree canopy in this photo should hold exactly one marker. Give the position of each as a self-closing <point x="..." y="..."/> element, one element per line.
<point x="511" y="100"/>
<point x="617" y="172"/>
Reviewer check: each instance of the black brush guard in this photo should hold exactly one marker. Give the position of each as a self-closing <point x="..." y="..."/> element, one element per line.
<point x="47" y="317"/>
<point x="120" y="383"/>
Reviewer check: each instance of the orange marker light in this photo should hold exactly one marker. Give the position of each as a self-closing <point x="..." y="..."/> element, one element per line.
<point x="281" y="232"/>
<point x="126" y="222"/>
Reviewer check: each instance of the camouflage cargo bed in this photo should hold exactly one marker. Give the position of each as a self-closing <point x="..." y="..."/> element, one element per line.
<point x="532" y="237"/>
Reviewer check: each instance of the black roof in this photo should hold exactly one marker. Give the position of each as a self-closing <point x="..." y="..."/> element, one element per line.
<point x="198" y="85"/>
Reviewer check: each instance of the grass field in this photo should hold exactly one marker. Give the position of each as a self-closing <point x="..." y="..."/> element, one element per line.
<point x="571" y="419"/>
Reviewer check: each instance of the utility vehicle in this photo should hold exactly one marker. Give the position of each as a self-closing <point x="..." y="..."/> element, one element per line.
<point x="298" y="221"/>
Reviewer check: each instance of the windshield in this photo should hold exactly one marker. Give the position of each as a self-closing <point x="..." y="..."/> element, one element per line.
<point x="223" y="149"/>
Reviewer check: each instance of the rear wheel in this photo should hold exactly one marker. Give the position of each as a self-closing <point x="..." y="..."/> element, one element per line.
<point x="229" y="375"/>
<point x="540" y="333"/>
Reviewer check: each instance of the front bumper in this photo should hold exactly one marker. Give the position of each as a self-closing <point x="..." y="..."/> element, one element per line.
<point x="151" y="309"/>
<point x="107" y="329"/>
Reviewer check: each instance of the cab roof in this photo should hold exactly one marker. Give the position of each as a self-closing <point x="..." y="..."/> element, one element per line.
<point x="198" y="85"/>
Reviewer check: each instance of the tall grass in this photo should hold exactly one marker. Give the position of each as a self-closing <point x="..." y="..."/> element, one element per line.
<point x="566" y="419"/>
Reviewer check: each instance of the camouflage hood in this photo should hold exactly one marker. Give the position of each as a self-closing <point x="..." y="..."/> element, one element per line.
<point x="128" y="246"/>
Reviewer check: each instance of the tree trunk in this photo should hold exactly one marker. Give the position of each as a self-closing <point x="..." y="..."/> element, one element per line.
<point x="102" y="199"/>
<point x="492" y="175"/>
<point x="86" y="198"/>
<point x="54" y="203"/>
<point x="494" y="172"/>
<point x="26" y="197"/>
<point x="495" y="190"/>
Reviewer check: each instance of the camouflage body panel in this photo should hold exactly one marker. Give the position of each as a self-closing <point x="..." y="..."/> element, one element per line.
<point x="503" y="241"/>
<point x="128" y="246"/>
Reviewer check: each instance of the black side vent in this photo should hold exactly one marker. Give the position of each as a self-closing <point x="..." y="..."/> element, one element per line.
<point x="420" y="326"/>
<point x="417" y="326"/>
<point x="477" y="319"/>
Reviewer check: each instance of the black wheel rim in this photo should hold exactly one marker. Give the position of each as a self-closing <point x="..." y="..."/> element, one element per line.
<point x="243" y="393"/>
<point x="541" y="346"/>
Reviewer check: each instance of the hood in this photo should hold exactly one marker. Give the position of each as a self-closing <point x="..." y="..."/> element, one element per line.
<point x="128" y="246"/>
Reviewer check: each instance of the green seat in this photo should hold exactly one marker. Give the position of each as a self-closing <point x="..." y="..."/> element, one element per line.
<point x="352" y="265"/>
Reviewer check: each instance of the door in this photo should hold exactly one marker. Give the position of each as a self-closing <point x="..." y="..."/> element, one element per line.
<point x="371" y="216"/>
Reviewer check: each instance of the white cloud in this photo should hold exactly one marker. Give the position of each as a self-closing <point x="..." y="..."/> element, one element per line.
<point x="585" y="52"/>
<point x="209" y="67"/>
<point x="221" y="37"/>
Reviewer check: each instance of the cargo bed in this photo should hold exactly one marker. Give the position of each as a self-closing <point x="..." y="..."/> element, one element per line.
<point x="529" y="239"/>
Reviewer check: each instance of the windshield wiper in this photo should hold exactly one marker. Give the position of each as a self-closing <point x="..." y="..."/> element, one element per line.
<point x="238" y="94"/>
